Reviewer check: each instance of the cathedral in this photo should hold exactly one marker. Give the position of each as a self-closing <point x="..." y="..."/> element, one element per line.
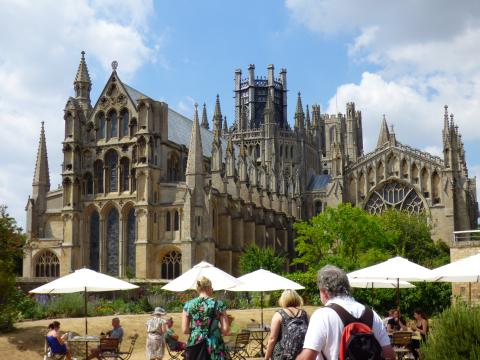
<point x="147" y="193"/>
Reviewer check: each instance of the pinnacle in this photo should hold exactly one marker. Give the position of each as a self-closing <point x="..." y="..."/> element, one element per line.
<point x="195" y="151"/>
<point x="204" y="123"/>
<point x="42" y="175"/>
<point x="384" y="135"/>
<point x="307" y="121"/>
<point x="299" y="109"/>
<point x="82" y="72"/>
<point x="218" y="111"/>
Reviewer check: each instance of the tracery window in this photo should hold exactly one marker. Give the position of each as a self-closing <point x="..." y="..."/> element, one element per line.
<point x="176" y="222"/>
<point x="112" y="124"/>
<point x="131" y="240"/>
<point x="395" y="195"/>
<point x="125" y="165"/>
<point x="94" y="241"/>
<point x="124" y="122"/>
<point x="171" y="265"/>
<point x="47" y="265"/>
<point x="112" y="242"/>
<point x="112" y="172"/>
<point x="101" y="126"/>
<point x="98" y="173"/>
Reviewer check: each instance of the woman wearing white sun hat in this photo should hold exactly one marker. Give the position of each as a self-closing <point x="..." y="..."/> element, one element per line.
<point x="156" y="330"/>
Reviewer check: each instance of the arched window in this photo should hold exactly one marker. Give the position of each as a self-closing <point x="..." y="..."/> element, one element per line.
<point x="318" y="207"/>
<point x="88" y="184"/>
<point x="133" y="127"/>
<point x="125" y="171"/>
<point x="131" y="241"/>
<point x="98" y="174"/>
<point x="176" y="222"/>
<point x="47" y="265"/>
<point x="171" y="265"/>
<point x="134" y="180"/>
<point x="257" y="151"/>
<point x="68" y="125"/>
<point x="168" y="222"/>
<point x="395" y="195"/>
<point x="101" y="126"/>
<point x="112" y="242"/>
<point x="124" y="122"/>
<point x="112" y="124"/>
<point x="94" y="241"/>
<point x="112" y="171"/>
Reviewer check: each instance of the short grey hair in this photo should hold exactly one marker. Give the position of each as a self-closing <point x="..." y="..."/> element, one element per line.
<point x="334" y="280"/>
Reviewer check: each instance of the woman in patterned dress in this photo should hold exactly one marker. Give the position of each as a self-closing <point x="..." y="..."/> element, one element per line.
<point x="156" y="330"/>
<point x="196" y="317"/>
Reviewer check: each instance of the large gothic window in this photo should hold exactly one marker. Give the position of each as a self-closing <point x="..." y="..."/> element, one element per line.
<point x="124" y="122"/>
<point x="131" y="241"/>
<point x="88" y="184"/>
<point x="47" y="265"/>
<point x="94" y="241"/>
<point x="171" y="265"/>
<point x="112" y="242"/>
<point x="112" y="124"/>
<point x="98" y="172"/>
<point x="176" y="222"/>
<point x="112" y="171"/>
<point x="101" y="126"/>
<point x="125" y="169"/>
<point x="394" y="195"/>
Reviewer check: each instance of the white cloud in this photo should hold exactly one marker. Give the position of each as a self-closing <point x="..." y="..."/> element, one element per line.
<point x="41" y="44"/>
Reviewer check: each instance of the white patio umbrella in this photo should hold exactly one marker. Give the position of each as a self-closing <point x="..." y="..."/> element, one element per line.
<point x="397" y="269"/>
<point x="188" y="281"/>
<point x="378" y="284"/>
<point x="463" y="270"/>
<point x="263" y="280"/>
<point x="83" y="280"/>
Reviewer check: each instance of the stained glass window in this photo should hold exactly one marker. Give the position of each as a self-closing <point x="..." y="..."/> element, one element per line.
<point x="112" y="117"/>
<point x="112" y="242"/>
<point x="125" y="172"/>
<point x="112" y="163"/>
<point x="47" y="265"/>
<point x="124" y="123"/>
<point x="395" y="195"/>
<point x="88" y="184"/>
<point x="131" y="240"/>
<point x="171" y="265"/>
<point x="94" y="241"/>
<point x="99" y="176"/>
<point x="101" y="126"/>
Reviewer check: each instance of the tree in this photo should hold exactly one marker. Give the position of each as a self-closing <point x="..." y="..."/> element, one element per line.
<point x="11" y="242"/>
<point x="255" y="258"/>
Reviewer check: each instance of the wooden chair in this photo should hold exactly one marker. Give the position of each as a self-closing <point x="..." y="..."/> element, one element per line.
<point x="109" y="350"/>
<point x="238" y="349"/>
<point x="175" y="354"/>
<point x="401" y="343"/>
<point x="49" y="355"/>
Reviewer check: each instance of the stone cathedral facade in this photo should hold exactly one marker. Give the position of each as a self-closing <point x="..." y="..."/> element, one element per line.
<point x="147" y="193"/>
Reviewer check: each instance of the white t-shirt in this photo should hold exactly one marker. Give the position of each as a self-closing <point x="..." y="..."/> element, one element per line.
<point x="325" y="328"/>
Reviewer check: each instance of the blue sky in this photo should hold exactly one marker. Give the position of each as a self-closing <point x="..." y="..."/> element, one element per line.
<point x="402" y="59"/>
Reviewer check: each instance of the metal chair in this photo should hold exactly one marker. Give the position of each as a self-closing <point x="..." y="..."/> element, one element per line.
<point x="238" y="349"/>
<point x="175" y="354"/>
<point x="109" y="350"/>
<point x="401" y="343"/>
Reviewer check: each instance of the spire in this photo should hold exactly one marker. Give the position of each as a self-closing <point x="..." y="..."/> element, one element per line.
<point x="82" y="83"/>
<point x="445" y="118"/>
<point x="307" y="121"/>
<point x="195" y="151"/>
<point x="299" y="115"/>
<point x="225" y="125"/>
<point x="204" y="117"/>
<point x="217" y="118"/>
<point x="384" y="135"/>
<point x="41" y="178"/>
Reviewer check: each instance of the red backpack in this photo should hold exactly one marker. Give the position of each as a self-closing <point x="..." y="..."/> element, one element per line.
<point x="358" y="341"/>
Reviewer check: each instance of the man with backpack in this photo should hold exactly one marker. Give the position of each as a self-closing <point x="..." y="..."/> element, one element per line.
<point x="343" y="329"/>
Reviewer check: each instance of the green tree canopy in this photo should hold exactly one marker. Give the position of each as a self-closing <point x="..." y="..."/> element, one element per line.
<point x="255" y="258"/>
<point x="11" y="242"/>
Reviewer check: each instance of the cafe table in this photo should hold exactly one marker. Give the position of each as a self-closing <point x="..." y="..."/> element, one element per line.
<point x="258" y="335"/>
<point x="78" y="345"/>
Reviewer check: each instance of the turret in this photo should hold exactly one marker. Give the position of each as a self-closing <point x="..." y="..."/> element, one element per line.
<point x="299" y="115"/>
<point x="195" y="169"/>
<point x="204" y="117"/>
<point x="225" y="127"/>
<point x="82" y="84"/>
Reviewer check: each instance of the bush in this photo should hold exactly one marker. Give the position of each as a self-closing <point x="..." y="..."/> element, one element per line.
<point x="455" y="335"/>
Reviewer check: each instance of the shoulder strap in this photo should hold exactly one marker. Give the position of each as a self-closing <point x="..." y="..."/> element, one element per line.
<point x="344" y="315"/>
<point x="367" y="317"/>
<point x="284" y="315"/>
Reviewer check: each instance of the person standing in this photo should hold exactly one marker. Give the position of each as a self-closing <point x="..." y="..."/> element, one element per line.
<point x="322" y="341"/>
<point x="204" y="318"/>
<point x="156" y="330"/>
<point x="290" y="303"/>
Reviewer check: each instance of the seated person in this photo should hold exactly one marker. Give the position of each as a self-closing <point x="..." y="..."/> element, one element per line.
<point x="421" y="325"/>
<point x="115" y="333"/>
<point x="172" y="339"/>
<point x="56" y="342"/>
<point x="396" y="323"/>
<point x="388" y="317"/>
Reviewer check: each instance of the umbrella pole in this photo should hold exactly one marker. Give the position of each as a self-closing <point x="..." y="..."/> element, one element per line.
<point x="261" y="308"/>
<point x="398" y="294"/>
<point x="86" y="314"/>
<point x="469" y="294"/>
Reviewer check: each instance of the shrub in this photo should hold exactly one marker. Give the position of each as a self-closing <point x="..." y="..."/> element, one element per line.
<point x="68" y="305"/>
<point x="455" y="336"/>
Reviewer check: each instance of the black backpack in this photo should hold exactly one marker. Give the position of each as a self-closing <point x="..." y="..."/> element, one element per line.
<point x="358" y="341"/>
<point x="294" y="329"/>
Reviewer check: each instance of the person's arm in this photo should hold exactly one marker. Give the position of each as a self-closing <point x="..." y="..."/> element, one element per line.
<point x="402" y="323"/>
<point x="424" y="328"/>
<point x="274" y="332"/>
<point x="388" y="353"/>
<point x="185" y="323"/>
<point x="164" y="327"/>
<point x="224" y="324"/>
<point x="307" y="354"/>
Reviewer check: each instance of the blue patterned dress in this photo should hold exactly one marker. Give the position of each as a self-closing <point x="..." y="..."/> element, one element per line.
<point x="200" y="310"/>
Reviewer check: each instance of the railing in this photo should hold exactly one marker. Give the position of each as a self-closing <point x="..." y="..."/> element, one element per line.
<point x="466" y="235"/>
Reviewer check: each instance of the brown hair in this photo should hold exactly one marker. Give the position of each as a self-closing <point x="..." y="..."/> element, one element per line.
<point x="203" y="284"/>
<point x="54" y="325"/>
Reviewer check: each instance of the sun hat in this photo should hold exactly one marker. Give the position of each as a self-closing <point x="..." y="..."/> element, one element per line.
<point x="159" y="311"/>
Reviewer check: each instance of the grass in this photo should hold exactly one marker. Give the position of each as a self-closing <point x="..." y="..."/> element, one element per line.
<point x="27" y="341"/>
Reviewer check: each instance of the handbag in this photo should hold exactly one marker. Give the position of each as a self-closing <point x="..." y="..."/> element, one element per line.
<point x="199" y="351"/>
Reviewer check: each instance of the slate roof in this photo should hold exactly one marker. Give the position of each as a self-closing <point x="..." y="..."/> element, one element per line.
<point x="133" y="93"/>
<point x="319" y="182"/>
